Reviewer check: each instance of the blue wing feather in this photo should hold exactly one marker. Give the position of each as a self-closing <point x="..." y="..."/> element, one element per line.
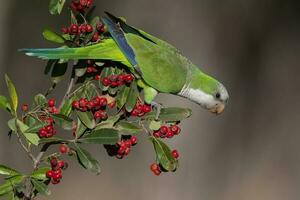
<point x="118" y="35"/>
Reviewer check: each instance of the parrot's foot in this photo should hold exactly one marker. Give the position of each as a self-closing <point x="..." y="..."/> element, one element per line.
<point x="157" y="107"/>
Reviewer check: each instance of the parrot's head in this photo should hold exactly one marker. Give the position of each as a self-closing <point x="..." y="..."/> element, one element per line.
<point x="206" y="91"/>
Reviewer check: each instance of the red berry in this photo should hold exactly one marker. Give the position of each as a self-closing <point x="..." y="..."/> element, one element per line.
<point x="25" y="107"/>
<point x="157" y="172"/>
<point x="51" y="102"/>
<point x="83" y="102"/>
<point x="95" y="37"/>
<point x="175" y="129"/>
<point x="53" y="110"/>
<point x="75" y="104"/>
<point x="89" y="70"/>
<point x="64" y="30"/>
<point x="57" y="176"/>
<point x="42" y="133"/>
<point x="89" y="28"/>
<point x="127" y="151"/>
<point x="97" y="77"/>
<point x="135" y="112"/>
<point x="91" y="105"/>
<point x="89" y="3"/>
<point x="83" y="28"/>
<point x="53" y="162"/>
<point x="128" y="143"/>
<point x="146" y="108"/>
<point x="163" y="130"/>
<point x="83" y="2"/>
<point x="61" y="164"/>
<point x="106" y="81"/>
<point x="129" y="78"/>
<point x="98" y="115"/>
<point x="63" y="149"/>
<point x="55" y="181"/>
<point x="74" y="29"/>
<point x="49" y="174"/>
<point x="114" y="84"/>
<point x="175" y="154"/>
<point x="156" y="134"/>
<point x="112" y="104"/>
<point x="169" y="134"/>
<point x="100" y="27"/>
<point x="102" y="101"/>
<point x="121" y="150"/>
<point x="50" y="120"/>
<point x="133" y="140"/>
<point x="154" y="167"/>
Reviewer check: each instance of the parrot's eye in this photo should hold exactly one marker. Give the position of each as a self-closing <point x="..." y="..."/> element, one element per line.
<point x="218" y="95"/>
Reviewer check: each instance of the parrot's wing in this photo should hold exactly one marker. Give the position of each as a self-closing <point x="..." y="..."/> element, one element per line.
<point x="162" y="68"/>
<point x="130" y="29"/>
<point x="119" y="37"/>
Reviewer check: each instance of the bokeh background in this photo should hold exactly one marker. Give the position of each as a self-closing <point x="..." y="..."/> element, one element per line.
<point x="251" y="152"/>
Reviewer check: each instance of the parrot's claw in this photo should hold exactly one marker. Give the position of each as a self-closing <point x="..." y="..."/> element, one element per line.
<point x="158" y="107"/>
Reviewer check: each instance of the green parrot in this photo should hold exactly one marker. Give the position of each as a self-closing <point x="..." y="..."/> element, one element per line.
<point x="161" y="68"/>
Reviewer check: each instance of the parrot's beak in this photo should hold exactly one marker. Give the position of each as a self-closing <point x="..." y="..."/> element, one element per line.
<point x="218" y="109"/>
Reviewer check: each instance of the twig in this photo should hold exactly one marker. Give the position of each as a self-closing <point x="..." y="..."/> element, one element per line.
<point x="22" y="144"/>
<point x="40" y="155"/>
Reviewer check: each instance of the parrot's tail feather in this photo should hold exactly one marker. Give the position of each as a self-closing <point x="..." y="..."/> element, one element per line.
<point x="59" y="53"/>
<point x="106" y="50"/>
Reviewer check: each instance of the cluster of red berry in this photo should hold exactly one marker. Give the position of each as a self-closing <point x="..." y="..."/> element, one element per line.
<point x="96" y="104"/>
<point x="157" y="169"/>
<point x="55" y="174"/>
<point x="140" y="110"/>
<point x="81" y="5"/>
<point x="52" y="108"/>
<point x="167" y="131"/>
<point x="47" y="131"/>
<point x="124" y="146"/>
<point x="117" y="80"/>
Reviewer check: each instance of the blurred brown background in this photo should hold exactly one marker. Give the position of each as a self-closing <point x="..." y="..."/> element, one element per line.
<point x="251" y="152"/>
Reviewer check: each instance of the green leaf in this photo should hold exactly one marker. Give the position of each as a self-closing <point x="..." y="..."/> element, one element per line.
<point x="109" y="123"/>
<point x="12" y="93"/>
<point x="56" y="6"/>
<point x="129" y="128"/>
<point x="155" y="125"/>
<point x="40" y="187"/>
<point x="53" y="37"/>
<point x="87" y="119"/>
<point x="51" y="140"/>
<point x="171" y="114"/>
<point x="36" y="127"/>
<point x="40" y="174"/>
<point x="132" y="97"/>
<point x="40" y="100"/>
<point x="122" y="96"/>
<point x="11" y="196"/>
<point x="63" y="121"/>
<point x="86" y="160"/>
<point x="33" y="138"/>
<point x="101" y="136"/>
<point x="67" y="107"/>
<point x="4" y="103"/>
<point x="58" y="71"/>
<point x="10" y="184"/>
<point x="164" y="154"/>
<point x="4" y="170"/>
<point x="80" y="129"/>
